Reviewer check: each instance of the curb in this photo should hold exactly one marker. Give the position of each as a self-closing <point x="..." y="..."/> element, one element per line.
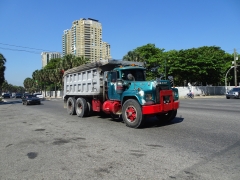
<point x="2" y="101"/>
<point x="201" y="97"/>
<point x="52" y="98"/>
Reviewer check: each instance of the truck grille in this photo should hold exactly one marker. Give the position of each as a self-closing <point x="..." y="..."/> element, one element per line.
<point x="158" y="91"/>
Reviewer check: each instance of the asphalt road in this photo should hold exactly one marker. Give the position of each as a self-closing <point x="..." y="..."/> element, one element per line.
<point x="43" y="142"/>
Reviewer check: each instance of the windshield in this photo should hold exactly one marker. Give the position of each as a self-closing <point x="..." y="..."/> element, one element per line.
<point x="138" y="74"/>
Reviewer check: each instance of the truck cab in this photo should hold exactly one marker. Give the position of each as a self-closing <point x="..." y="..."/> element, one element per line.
<point x="128" y="84"/>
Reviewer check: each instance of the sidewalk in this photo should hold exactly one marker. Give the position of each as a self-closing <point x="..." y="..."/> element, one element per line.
<point x="210" y="96"/>
<point x="52" y="98"/>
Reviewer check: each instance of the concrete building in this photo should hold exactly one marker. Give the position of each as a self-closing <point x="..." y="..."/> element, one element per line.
<point x="106" y="51"/>
<point x="85" y="39"/>
<point x="47" y="56"/>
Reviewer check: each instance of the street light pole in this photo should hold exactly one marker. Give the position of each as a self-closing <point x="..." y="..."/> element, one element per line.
<point x="226" y="78"/>
<point x="227" y="74"/>
<point x="165" y="69"/>
<point x="235" y="68"/>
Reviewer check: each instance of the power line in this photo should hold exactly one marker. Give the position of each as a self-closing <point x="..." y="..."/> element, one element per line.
<point x="232" y="50"/>
<point x="34" y="52"/>
<point x="26" y="47"/>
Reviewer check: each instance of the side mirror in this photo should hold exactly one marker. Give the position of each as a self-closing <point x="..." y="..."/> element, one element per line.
<point x="119" y="84"/>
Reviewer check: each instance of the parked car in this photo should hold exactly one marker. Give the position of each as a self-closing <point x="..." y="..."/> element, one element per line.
<point x="30" y="99"/>
<point x="6" y="96"/>
<point x="233" y="93"/>
<point x="18" y="95"/>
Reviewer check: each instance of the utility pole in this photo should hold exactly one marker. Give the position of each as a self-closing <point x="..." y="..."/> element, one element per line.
<point x="165" y="68"/>
<point x="235" y="68"/>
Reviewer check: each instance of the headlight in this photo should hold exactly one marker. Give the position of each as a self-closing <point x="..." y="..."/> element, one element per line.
<point x="175" y="96"/>
<point x="148" y="97"/>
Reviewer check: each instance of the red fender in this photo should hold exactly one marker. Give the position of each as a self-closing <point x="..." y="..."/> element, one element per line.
<point x="111" y="106"/>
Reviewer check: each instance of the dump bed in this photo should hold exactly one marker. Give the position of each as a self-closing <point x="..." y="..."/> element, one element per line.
<point x="87" y="79"/>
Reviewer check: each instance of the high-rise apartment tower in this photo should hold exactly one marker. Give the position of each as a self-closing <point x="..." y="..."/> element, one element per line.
<point x="47" y="56"/>
<point x="85" y="39"/>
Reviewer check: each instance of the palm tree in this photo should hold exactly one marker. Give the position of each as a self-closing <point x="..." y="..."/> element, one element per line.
<point x="36" y="78"/>
<point x="69" y="61"/>
<point x="29" y="84"/>
<point x="42" y="77"/>
<point x="53" y="78"/>
<point x="5" y="86"/>
<point x="80" y="61"/>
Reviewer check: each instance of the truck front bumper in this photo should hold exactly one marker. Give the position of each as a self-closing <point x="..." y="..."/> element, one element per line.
<point x="160" y="108"/>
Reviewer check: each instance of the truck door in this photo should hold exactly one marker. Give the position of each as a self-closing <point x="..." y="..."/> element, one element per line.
<point x="112" y="86"/>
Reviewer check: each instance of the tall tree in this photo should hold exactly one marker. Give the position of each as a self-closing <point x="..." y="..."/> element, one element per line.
<point x="132" y="56"/>
<point x="204" y="65"/>
<point x="53" y="63"/>
<point x="152" y="56"/>
<point x="2" y="68"/>
<point x="29" y="85"/>
<point x="37" y="79"/>
<point x="5" y="86"/>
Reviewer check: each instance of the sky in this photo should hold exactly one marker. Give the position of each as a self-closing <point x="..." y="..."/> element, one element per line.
<point x="29" y="27"/>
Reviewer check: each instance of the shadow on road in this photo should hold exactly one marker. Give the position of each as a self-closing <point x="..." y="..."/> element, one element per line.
<point x="12" y="102"/>
<point x="153" y="122"/>
<point x="150" y="122"/>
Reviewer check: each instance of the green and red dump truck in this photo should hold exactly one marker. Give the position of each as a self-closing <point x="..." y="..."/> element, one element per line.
<point x="119" y="88"/>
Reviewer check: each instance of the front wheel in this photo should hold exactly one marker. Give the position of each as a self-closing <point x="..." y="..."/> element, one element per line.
<point x="132" y="114"/>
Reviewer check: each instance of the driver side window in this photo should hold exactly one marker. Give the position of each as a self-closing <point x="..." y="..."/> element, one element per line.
<point x="114" y="76"/>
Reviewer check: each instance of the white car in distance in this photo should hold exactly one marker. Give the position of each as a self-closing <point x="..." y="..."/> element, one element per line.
<point x="39" y="95"/>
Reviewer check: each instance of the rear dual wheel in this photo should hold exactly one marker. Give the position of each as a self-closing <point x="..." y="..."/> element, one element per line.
<point x="81" y="108"/>
<point x="71" y="103"/>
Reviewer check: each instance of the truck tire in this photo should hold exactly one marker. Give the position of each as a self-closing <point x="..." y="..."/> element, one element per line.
<point x="132" y="114"/>
<point x="167" y="117"/>
<point x="71" y="103"/>
<point x="89" y="105"/>
<point x="81" y="107"/>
